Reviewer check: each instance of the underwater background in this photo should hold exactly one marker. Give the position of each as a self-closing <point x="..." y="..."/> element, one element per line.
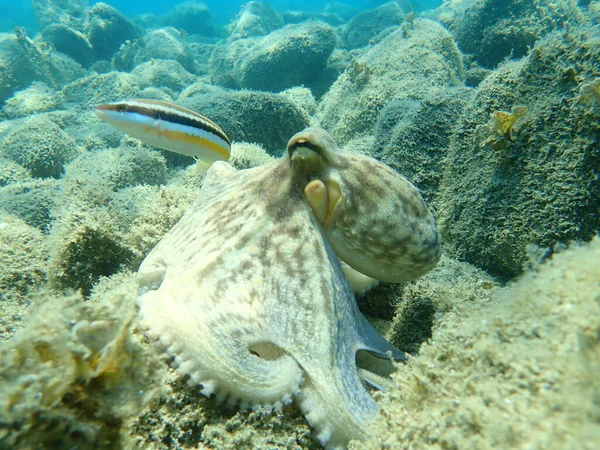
<point x="490" y="107"/>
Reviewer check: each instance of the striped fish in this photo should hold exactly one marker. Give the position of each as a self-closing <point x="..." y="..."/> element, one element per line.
<point x="168" y="126"/>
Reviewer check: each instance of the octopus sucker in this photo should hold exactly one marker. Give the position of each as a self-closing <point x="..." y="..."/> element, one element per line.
<point x="251" y="292"/>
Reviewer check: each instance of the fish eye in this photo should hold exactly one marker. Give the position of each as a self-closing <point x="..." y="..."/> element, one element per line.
<point x="121" y="107"/>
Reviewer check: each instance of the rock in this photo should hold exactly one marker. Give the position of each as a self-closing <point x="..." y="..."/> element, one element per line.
<point x="286" y="58"/>
<point x="162" y="43"/>
<point x="101" y="66"/>
<point x="65" y="69"/>
<point x="11" y="172"/>
<point x="167" y="73"/>
<point x="39" y="145"/>
<point x="37" y="98"/>
<point x="84" y="357"/>
<point x="366" y="25"/>
<point x="493" y="31"/>
<point x="412" y="136"/>
<point x="70" y="42"/>
<point x="303" y="99"/>
<point x="104" y="227"/>
<point x="126" y="166"/>
<point x="88" y="92"/>
<point x="21" y="63"/>
<point x="593" y="11"/>
<point x="342" y="10"/>
<point x="294" y="17"/>
<point x="201" y="54"/>
<point x="107" y="29"/>
<point x="337" y="63"/>
<point x="23" y="262"/>
<point x="31" y="201"/>
<point x="245" y="156"/>
<point x="540" y="333"/>
<point x="224" y="57"/>
<point x="517" y="172"/>
<point x="192" y="16"/>
<point x="49" y="12"/>
<point x="255" y="19"/>
<point x="407" y="64"/>
<point x="257" y="117"/>
<point x="146" y="21"/>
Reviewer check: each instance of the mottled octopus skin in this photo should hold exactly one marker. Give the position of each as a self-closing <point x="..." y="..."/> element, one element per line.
<point x="248" y="296"/>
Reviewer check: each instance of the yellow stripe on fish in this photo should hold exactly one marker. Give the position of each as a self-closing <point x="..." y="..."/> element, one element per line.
<point x="168" y="126"/>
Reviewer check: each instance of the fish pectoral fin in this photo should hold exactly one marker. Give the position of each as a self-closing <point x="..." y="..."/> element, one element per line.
<point x="201" y="166"/>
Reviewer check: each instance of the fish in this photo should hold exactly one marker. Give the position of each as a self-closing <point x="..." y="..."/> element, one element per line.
<point x="168" y="126"/>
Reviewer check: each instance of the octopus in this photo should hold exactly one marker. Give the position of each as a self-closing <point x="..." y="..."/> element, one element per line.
<point x="251" y="292"/>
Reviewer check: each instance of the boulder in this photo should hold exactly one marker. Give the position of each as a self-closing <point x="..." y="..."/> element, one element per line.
<point x="523" y="166"/>
<point x="288" y="57"/>
<point x="107" y="29"/>
<point x="407" y="64"/>
<point x="257" y="117"/>
<point x="366" y="25"/>
<point x="192" y="16"/>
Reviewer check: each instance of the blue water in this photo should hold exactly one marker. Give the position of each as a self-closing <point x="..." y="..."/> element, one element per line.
<point x="19" y="12"/>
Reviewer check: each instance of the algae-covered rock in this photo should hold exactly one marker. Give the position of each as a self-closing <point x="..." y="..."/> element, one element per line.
<point x="37" y="98"/>
<point x="70" y="42"/>
<point x="107" y="29"/>
<point x="337" y="63"/>
<point x="31" y="201"/>
<point x="192" y="16"/>
<point x="119" y="168"/>
<point x="184" y="417"/>
<point x="285" y="58"/>
<point x="341" y="9"/>
<point x="524" y="166"/>
<point x="88" y="92"/>
<point x="245" y="155"/>
<point x="294" y="17"/>
<point x="518" y="371"/>
<point x="423" y="303"/>
<point x="65" y="69"/>
<point x="39" y="145"/>
<point x="593" y="11"/>
<point x="74" y="375"/>
<point x="223" y="59"/>
<point x="258" y="117"/>
<point x="48" y="12"/>
<point x="11" y="172"/>
<point x="255" y="19"/>
<point x="163" y="73"/>
<point x="407" y="64"/>
<point x="109" y="217"/>
<point x="492" y="31"/>
<point x="412" y="136"/>
<point x="303" y="99"/>
<point x="23" y="264"/>
<point x="366" y="25"/>
<point x="201" y="52"/>
<point x="87" y="251"/>
<point x="21" y="63"/>
<point x="161" y="43"/>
